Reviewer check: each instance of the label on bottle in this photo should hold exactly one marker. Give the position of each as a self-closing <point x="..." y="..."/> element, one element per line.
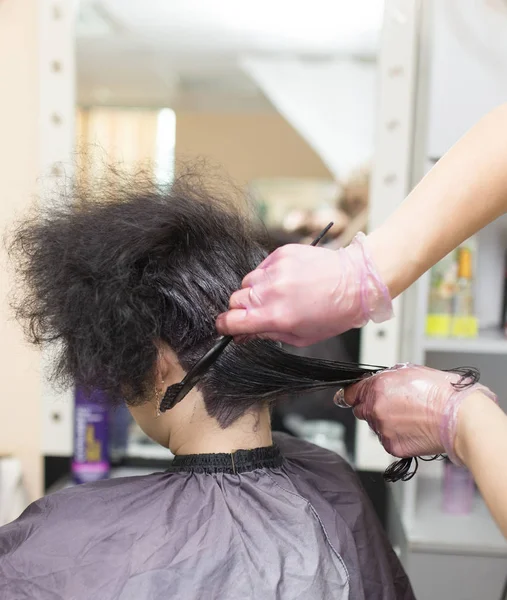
<point x="91" y="459"/>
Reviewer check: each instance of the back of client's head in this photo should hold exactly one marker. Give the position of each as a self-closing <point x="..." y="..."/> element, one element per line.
<point x="119" y="268"/>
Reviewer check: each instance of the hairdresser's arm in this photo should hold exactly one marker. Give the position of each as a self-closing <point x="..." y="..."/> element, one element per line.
<point x="301" y="295"/>
<point x="481" y="443"/>
<point x="466" y="190"/>
<point x="416" y="411"/>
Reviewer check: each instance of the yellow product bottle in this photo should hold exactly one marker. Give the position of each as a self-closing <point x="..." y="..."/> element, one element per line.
<point x="443" y="280"/>
<point x="464" y="321"/>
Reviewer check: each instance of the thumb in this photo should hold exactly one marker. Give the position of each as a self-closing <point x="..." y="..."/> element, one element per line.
<point x="352" y="394"/>
<point x="238" y="322"/>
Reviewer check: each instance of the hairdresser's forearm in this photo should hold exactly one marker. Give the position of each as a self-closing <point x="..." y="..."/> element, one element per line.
<point x="481" y="443"/>
<point x="466" y="190"/>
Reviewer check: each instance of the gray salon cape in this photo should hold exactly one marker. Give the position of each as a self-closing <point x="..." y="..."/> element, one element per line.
<point x="287" y="522"/>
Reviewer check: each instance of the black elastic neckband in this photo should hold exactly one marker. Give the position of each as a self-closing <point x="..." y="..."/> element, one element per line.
<point x="240" y="461"/>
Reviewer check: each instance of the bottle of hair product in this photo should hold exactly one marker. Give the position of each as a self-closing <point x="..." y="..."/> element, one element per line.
<point x="464" y="321"/>
<point x="458" y="490"/>
<point x="91" y="431"/>
<point x="443" y="281"/>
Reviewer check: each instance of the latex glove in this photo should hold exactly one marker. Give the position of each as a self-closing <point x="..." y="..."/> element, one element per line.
<point x="414" y="410"/>
<point x="302" y="295"/>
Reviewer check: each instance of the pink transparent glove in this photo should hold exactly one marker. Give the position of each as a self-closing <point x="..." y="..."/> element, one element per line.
<point x="301" y="295"/>
<point x="414" y="410"/>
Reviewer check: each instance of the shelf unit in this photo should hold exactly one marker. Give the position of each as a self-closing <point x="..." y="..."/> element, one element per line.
<point x="434" y="530"/>
<point x="471" y="542"/>
<point x="443" y="103"/>
<point x="489" y="341"/>
<point x="445" y="555"/>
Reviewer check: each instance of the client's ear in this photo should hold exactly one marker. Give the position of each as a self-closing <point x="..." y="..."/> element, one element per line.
<point x="167" y="369"/>
<point x="159" y="426"/>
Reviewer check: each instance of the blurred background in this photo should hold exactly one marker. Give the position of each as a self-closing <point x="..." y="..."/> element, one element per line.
<point x="317" y="111"/>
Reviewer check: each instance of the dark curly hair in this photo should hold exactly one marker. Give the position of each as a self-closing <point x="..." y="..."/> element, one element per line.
<point x="109" y="269"/>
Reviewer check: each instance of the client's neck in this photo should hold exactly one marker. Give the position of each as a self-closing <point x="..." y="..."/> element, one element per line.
<point x="201" y="434"/>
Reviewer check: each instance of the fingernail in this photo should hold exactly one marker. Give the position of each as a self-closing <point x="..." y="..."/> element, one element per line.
<point x="339" y="399"/>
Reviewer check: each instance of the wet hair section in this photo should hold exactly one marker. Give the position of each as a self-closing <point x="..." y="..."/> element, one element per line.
<point x="261" y="371"/>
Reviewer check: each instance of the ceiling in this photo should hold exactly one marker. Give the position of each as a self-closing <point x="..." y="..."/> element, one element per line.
<point x="185" y="53"/>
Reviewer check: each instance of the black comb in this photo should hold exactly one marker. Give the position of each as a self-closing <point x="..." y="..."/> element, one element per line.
<point x="176" y="392"/>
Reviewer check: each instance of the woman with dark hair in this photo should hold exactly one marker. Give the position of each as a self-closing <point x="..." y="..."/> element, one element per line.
<point x="129" y="280"/>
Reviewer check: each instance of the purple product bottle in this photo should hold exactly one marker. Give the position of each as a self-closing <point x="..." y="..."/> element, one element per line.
<point x="459" y="490"/>
<point x="91" y="437"/>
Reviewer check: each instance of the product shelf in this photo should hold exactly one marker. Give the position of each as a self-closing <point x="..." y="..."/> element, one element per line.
<point x="432" y="529"/>
<point x="489" y="341"/>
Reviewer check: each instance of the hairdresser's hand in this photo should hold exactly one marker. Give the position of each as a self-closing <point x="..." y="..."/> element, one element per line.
<point x="414" y="410"/>
<point x="301" y="295"/>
